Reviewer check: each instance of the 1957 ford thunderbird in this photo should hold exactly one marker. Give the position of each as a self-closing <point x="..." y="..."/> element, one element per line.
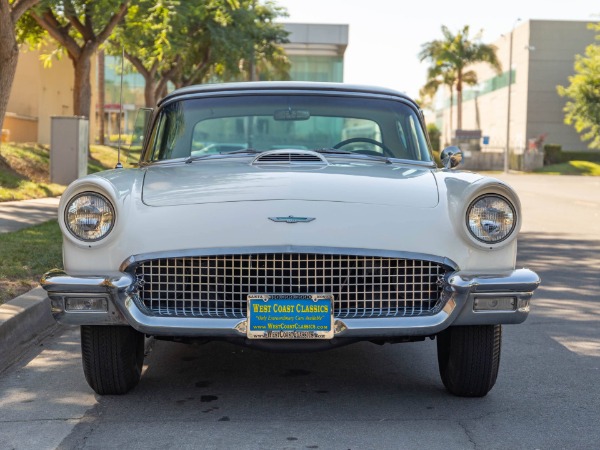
<point x="289" y="216"/>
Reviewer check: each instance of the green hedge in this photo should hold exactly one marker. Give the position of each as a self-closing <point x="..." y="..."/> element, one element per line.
<point x="434" y="136"/>
<point x="553" y="154"/>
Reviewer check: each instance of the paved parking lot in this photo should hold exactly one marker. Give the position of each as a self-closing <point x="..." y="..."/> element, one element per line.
<point x="358" y="397"/>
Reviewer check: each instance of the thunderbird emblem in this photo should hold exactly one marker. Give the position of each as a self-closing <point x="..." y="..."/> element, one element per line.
<point x="292" y="219"/>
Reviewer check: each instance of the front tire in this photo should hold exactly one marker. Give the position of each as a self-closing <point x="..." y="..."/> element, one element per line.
<point x="112" y="358"/>
<point x="468" y="358"/>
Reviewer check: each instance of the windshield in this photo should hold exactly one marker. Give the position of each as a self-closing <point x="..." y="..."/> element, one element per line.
<point x="332" y="124"/>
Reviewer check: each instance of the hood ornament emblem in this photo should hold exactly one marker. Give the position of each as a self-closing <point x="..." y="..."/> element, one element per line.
<point x="292" y="219"/>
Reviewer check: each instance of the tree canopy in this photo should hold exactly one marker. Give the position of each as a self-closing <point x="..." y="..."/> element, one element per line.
<point x="449" y="57"/>
<point x="582" y="110"/>
<point x="191" y="42"/>
<point x="183" y="42"/>
<point x="79" y="27"/>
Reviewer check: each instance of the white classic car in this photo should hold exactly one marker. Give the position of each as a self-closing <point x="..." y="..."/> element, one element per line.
<point x="299" y="216"/>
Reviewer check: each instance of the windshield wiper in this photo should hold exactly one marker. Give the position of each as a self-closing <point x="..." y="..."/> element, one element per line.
<point x="248" y="151"/>
<point x="242" y="150"/>
<point x="190" y="159"/>
<point x="332" y="151"/>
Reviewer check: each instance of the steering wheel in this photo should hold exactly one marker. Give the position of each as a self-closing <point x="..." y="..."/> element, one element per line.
<point x="386" y="150"/>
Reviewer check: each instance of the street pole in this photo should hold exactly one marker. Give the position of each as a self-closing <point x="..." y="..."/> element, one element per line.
<point x="510" y="55"/>
<point x="506" y="150"/>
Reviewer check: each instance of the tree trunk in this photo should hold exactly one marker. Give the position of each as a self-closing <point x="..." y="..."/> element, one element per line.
<point x="149" y="92"/>
<point x="459" y="102"/>
<point x="451" y="108"/>
<point x="450" y="113"/>
<point x="160" y="90"/>
<point x="101" y="97"/>
<point x="82" y="88"/>
<point x="163" y="91"/>
<point x="149" y="79"/>
<point x="9" y="56"/>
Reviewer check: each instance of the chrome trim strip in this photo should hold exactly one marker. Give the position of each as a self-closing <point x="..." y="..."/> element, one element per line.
<point x="410" y="162"/>
<point x="217" y="251"/>
<point x="292" y="219"/>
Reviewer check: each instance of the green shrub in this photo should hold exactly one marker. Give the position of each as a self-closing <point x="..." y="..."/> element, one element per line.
<point x="591" y="156"/>
<point x="553" y="154"/>
<point x="434" y="136"/>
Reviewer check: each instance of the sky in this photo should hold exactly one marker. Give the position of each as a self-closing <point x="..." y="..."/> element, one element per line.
<point x="385" y="36"/>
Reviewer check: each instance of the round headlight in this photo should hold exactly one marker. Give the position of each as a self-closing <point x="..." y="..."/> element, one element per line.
<point x="89" y="216"/>
<point x="491" y="219"/>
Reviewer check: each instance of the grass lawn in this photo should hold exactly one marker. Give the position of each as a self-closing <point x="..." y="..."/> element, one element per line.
<point x="103" y="157"/>
<point x="24" y="173"/>
<point x="25" y="255"/>
<point x="572" y="168"/>
<point x="25" y="169"/>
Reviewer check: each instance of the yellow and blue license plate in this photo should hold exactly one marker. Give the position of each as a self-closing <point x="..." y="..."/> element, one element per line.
<point x="290" y="316"/>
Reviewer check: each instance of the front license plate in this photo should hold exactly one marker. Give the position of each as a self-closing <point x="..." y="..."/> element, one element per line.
<point x="290" y="316"/>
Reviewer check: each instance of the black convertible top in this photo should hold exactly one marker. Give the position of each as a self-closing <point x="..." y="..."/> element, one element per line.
<point x="280" y="87"/>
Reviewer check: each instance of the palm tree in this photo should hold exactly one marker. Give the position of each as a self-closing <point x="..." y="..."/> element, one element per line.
<point x="442" y="75"/>
<point x="453" y="54"/>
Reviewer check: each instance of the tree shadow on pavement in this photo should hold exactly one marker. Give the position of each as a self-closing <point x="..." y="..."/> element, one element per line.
<point x="566" y="265"/>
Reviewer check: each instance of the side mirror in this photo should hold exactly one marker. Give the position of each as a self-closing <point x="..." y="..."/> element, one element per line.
<point x="451" y="157"/>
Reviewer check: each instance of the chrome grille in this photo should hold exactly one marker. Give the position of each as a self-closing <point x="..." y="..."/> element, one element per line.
<point x="217" y="286"/>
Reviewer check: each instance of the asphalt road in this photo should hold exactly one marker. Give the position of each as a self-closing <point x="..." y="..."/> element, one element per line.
<point x="219" y="396"/>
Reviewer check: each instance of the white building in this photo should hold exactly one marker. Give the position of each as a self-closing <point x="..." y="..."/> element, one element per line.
<point x="543" y="56"/>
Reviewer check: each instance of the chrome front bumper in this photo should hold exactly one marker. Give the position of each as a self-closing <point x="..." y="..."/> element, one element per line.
<point x="461" y="291"/>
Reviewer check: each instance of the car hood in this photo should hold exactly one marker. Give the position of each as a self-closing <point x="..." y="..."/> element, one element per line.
<point x="233" y="181"/>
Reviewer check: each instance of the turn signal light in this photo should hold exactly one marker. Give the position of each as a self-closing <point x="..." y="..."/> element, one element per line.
<point x="84" y="304"/>
<point x="494" y="304"/>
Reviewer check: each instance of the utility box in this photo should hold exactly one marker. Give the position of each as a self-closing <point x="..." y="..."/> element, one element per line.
<point x="69" y="141"/>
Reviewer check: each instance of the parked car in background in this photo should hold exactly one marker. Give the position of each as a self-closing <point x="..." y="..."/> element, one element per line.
<point x="290" y="216"/>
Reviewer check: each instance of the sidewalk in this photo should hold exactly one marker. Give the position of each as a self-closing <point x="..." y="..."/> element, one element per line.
<point x="25" y="320"/>
<point x="24" y="213"/>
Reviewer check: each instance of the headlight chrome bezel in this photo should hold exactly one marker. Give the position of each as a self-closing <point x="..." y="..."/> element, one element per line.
<point x="512" y="210"/>
<point x="68" y="224"/>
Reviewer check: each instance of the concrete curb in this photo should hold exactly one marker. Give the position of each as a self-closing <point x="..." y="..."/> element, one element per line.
<point x="24" y="322"/>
